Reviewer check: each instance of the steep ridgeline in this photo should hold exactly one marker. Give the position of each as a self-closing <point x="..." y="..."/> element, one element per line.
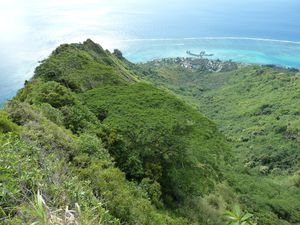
<point x="87" y="137"/>
<point x="258" y="109"/>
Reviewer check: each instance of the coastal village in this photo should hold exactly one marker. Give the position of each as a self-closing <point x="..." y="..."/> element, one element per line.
<point x="198" y="63"/>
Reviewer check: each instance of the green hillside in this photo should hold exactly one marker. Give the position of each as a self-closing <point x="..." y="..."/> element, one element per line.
<point x="258" y="110"/>
<point x="86" y="142"/>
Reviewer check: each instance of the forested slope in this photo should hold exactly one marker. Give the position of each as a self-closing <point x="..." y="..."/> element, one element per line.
<point x="258" y="109"/>
<point x="87" y="142"/>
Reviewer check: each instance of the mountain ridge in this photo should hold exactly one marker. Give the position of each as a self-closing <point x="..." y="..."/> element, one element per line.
<point x="123" y="143"/>
<point x="96" y="136"/>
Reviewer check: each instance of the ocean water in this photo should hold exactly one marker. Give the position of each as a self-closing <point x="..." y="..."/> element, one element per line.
<point x="250" y="31"/>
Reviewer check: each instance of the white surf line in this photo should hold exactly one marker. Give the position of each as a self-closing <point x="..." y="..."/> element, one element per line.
<point x="243" y="38"/>
<point x="209" y="38"/>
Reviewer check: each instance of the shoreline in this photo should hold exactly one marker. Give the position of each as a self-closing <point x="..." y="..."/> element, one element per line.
<point x="189" y="60"/>
<point x="211" y="38"/>
<point x="212" y="64"/>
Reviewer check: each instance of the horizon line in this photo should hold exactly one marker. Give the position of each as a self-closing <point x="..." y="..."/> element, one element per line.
<point x="210" y="38"/>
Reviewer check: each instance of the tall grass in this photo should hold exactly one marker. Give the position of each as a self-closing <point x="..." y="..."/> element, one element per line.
<point x="39" y="213"/>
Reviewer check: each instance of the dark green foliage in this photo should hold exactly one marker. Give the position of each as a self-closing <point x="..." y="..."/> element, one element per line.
<point x="83" y="67"/>
<point x="84" y="134"/>
<point x="258" y="110"/>
<point x="6" y="125"/>
<point x="92" y="146"/>
<point x="118" y="53"/>
<point x="165" y="139"/>
<point x="62" y="165"/>
<point x="78" y="118"/>
<point x="271" y="200"/>
<point x="254" y="105"/>
<point x="153" y="190"/>
<point x="51" y="113"/>
<point x="124" y="200"/>
<point x="84" y="139"/>
<point x="52" y="93"/>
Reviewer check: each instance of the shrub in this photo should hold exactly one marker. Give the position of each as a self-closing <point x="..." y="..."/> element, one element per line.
<point x="296" y="179"/>
<point x="92" y="146"/>
<point x="52" y="93"/>
<point x="51" y="113"/>
<point x="153" y="191"/>
<point x="79" y="119"/>
<point x="6" y="125"/>
<point x="19" y="172"/>
<point x="124" y="200"/>
<point x="22" y="113"/>
<point x="49" y="137"/>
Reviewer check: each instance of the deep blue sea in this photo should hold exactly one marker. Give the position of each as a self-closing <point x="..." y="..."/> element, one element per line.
<point x="250" y="31"/>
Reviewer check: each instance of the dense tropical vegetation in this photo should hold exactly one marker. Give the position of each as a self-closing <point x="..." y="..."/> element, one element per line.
<point x="86" y="142"/>
<point x="89" y="140"/>
<point x="258" y="110"/>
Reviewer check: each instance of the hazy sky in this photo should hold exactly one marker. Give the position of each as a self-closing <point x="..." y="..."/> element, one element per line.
<point x="60" y="20"/>
<point x="30" y="29"/>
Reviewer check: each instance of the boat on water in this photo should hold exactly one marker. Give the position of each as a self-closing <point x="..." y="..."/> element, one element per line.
<point x="200" y="55"/>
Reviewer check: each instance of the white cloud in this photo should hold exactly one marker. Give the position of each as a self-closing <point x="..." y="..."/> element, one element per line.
<point x="12" y="23"/>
